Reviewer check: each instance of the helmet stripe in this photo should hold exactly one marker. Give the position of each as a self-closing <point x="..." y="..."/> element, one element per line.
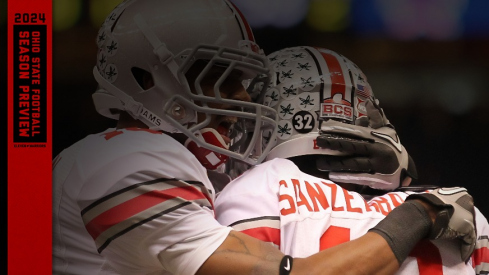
<point x="320" y="72"/>
<point x="336" y="74"/>
<point x="242" y="22"/>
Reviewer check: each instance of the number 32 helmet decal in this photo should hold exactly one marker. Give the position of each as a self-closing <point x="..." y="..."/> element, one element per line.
<point x="310" y="85"/>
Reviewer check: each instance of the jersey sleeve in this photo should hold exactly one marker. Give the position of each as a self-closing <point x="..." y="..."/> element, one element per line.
<point x="150" y="207"/>
<point x="480" y="257"/>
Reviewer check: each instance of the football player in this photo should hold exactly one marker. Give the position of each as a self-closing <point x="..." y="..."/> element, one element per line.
<point x="303" y="200"/>
<point x="137" y="199"/>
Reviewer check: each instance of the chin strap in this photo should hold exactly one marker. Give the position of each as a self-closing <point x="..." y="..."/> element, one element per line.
<point x="208" y="158"/>
<point x="159" y="48"/>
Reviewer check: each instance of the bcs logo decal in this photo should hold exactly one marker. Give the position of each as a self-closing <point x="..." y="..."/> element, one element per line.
<point x="332" y="110"/>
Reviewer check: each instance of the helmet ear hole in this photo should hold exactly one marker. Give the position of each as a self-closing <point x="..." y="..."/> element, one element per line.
<point x="143" y="78"/>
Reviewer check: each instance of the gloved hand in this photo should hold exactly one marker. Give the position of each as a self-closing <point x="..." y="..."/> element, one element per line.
<point x="371" y="152"/>
<point x="455" y="218"/>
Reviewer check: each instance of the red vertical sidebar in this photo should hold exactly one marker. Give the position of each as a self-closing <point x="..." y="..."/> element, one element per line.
<point x="29" y="136"/>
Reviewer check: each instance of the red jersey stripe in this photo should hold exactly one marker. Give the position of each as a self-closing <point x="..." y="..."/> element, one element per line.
<point x="334" y="236"/>
<point x="428" y="258"/>
<point x="137" y="205"/>
<point x="481" y="255"/>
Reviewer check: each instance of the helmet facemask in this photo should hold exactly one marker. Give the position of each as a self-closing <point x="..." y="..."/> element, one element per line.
<point x="221" y="102"/>
<point x="181" y="99"/>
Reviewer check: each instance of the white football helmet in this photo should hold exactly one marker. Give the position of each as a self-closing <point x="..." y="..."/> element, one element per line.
<point x="311" y="86"/>
<point x="165" y="38"/>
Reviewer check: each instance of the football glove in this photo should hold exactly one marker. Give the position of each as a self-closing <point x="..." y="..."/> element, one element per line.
<point x="455" y="218"/>
<point x="371" y="152"/>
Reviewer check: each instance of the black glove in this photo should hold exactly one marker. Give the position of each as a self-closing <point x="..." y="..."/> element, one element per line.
<point x="371" y="152"/>
<point x="455" y="219"/>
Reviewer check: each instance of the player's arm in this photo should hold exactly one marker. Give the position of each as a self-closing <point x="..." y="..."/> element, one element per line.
<point x="380" y="251"/>
<point x="369" y="254"/>
<point x="242" y="254"/>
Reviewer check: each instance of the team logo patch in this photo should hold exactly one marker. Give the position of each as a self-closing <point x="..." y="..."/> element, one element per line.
<point x="289" y="92"/>
<point x="307" y="83"/>
<point x="271" y="97"/>
<point x="286" y="74"/>
<point x="298" y="55"/>
<point x="282" y="63"/>
<point x="284" y="129"/>
<point x="110" y="73"/>
<point x="286" y="110"/>
<point x="102" y="60"/>
<point x="101" y="37"/>
<point x="111" y="47"/>
<point x="307" y="101"/>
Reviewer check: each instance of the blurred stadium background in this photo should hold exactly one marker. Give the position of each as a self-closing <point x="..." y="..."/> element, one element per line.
<point x="426" y="60"/>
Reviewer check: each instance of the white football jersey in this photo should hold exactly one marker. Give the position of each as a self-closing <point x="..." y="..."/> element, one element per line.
<point x="135" y="197"/>
<point x="302" y="215"/>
